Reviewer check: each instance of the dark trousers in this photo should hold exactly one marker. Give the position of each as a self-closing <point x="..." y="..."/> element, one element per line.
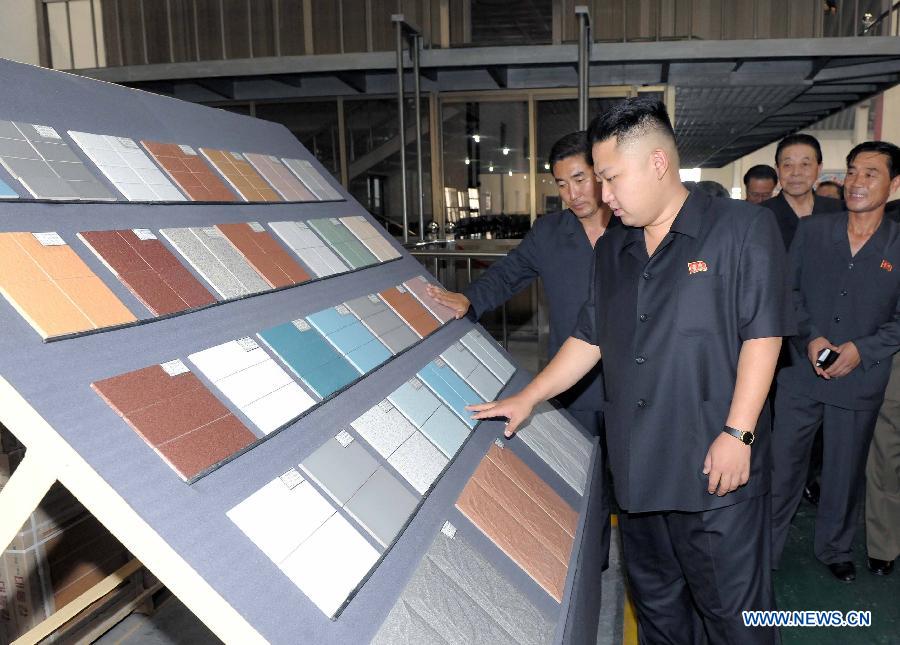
<point x="593" y="423"/>
<point x="845" y="438"/>
<point x="712" y="564"/>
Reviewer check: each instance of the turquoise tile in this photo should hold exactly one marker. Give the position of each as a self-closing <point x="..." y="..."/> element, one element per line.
<point x="452" y="390"/>
<point x="415" y="401"/>
<point x="6" y="192"/>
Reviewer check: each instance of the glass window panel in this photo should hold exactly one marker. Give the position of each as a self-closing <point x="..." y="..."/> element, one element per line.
<point x="500" y="22"/>
<point x="314" y="123"/>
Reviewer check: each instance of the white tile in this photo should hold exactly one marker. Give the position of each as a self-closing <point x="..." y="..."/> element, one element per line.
<point x="227" y="359"/>
<point x="277" y="408"/>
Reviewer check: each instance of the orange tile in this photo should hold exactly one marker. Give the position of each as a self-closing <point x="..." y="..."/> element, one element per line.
<point x="241" y="175"/>
<point x="45" y="307"/>
<point x="98" y="303"/>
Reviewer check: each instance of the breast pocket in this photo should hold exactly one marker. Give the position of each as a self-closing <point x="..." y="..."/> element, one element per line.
<point x="700" y="305"/>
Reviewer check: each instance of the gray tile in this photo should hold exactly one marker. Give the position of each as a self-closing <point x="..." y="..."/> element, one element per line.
<point x="71" y="171"/>
<point x="419" y="462"/>
<point x="17" y="148"/>
<point x="460" y="359"/>
<point x="485" y="383"/>
<point x="366" y="306"/>
<point x="559" y="445"/>
<point x="478" y="579"/>
<point x="485" y="351"/>
<point x="338" y="470"/>
<point x="384" y="427"/>
<point x="382" y="506"/>
<point x="415" y="401"/>
<point x="399" y="339"/>
<point x="403" y="626"/>
<point x="204" y="262"/>
<point x="55" y="152"/>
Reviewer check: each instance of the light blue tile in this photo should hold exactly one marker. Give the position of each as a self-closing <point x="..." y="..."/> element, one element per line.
<point x="369" y="356"/>
<point x="451" y="389"/>
<point x="415" y="401"/>
<point x="446" y="431"/>
<point x="6" y="192"/>
<point x="331" y="320"/>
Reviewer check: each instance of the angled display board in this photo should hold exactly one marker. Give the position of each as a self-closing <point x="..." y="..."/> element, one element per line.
<point x="229" y="362"/>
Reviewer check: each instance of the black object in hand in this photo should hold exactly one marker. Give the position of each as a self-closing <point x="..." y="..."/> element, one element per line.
<point x="826" y="358"/>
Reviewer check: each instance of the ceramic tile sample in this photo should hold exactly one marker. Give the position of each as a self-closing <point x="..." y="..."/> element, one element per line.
<point x="340" y="469"/>
<point x="556" y="441"/>
<point x="240" y="174"/>
<point x="428" y="414"/>
<point x="509" y="506"/>
<point x="408" y="308"/>
<point x="446" y="431"/>
<point x="382" y="506"/>
<point x="417" y="286"/>
<point x="310" y="356"/>
<point x="343" y="242"/>
<point x="53" y="289"/>
<point x="331" y="564"/>
<point x="306" y="172"/>
<point x="486" y="351"/>
<point x="211" y="255"/>
<point x="383" y="322"/>
<point x="451" y="389"/>
<point x="320" y="259"/>
<point x="406" y="449"/>
<point x="282" y="179"/>
<point x="149" y="270"/>
<point x="39" y="158"/>
<point x="189" y="172"/>
<point x="374" y="239"/>
<point x="254" y="382"/>
<point x="127" y="167"/>
<point x="264" y="254"/>
<point x="457" y="596"/>
<point x="350" y="337"/>
<point x="472" y="371"/>
<point x="282" y="515"/>
<point x="171" y="410"/>
<point x="6" y="192"/>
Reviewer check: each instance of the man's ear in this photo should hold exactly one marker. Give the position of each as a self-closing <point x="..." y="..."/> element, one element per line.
<point x="659" y="159"/>
<point x="895" y="185"/>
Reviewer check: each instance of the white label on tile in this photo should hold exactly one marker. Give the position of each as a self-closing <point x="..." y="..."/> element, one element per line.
<point x="499" y="443"/>
<point x="237" y="156"/>
<point x="449" y="530"/>
<point x="401" y="288"/>
<point x="49" y="239"/>
<point x="46" y="131"/>
<point x="344" y="438"/>
<point x="459" y="346"/>
<point x="333" y="220"/>
<point x="385" y="406"/>
<point x="291" y="479"/>
<point x="125" y="142"/>
<point x="256" y="227"/>
<point x="247" y="344"/>
<point x="342" y="310"/>
<point x="143" y="234"/>
<point x="374" y="299"/>
<point x="273" y="159"/>
<point x="302" y="225"/>
<point x="188" y="150"/>
<point x="415" y="383"/>
<point x="212" y="231"/>
<point x="302" y="325"/>
<point x="174" y="368"/>
<point x="439" y="362"/>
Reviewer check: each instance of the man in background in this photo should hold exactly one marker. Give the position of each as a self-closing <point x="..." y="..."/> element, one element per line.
<point x="830" y="189"/>
<point x="759" y="183"/>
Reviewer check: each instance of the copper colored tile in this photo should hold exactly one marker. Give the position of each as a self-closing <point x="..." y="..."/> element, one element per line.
<point x="531" y="516"/>
<point x="409" y="309"/>
<point x="141" y="388"/>
<point x="241" y="175"/>
<point x="521" y="546"/>
<point x="185" y="167"/>
<point x="114" y="251"/>
<point x="537" y="489"/>
<point x="201" y="449"/>
<point x="172" y="418"/>
<point x="264" y="254"/>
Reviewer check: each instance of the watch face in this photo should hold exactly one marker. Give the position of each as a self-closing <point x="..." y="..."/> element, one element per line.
<point x="747" y="437"/>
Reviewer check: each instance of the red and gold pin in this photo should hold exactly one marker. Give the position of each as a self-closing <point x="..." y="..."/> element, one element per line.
<point x="887" y="266"/>
<point x="697" y="266"/>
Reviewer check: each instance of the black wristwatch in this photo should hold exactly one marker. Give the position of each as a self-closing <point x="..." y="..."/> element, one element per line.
<point x="742" y="435"/>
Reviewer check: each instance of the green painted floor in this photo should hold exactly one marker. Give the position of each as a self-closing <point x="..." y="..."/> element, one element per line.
<point x="804" y="583"/>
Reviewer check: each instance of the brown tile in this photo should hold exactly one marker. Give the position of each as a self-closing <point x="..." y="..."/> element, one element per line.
<point x="149" y="287"/>
<point x="189" y="172"/>
<point x="520" y="545"/>
<point x="243" y="178"/>
<point x="531" y="516"/>
<point x="135" y="390"/>
<point x="193" y="453"/>
<point x="188" y="288"/>
<point x="115" y="251"/>
<point x="264" y="254"/>
<point x="409" y="309"/>
<point x="171" y="418"/>
<point x="536" y="488"/>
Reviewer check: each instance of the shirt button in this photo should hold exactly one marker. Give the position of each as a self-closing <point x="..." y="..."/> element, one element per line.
<point x="877" y="362"/>
<point x="645" y="275"/>
<point x="640" y="360"/>
<point x="641" y="403"/>
<point x="850" y="266"/>
<point x="644" y="317"/>
<point x="843" y="292"/>
<point x="837" y="319"/>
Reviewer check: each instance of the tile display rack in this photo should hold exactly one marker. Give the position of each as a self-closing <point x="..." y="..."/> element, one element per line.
<point x="185" y="530"/>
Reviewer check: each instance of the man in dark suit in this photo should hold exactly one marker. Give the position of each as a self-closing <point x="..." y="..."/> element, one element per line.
<point x="846" y="300"/>
<point x="798" y="160"/>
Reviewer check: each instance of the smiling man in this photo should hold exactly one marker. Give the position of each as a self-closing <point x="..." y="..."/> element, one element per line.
<point x="846" y="300"/>
<point x="687" y="309"/>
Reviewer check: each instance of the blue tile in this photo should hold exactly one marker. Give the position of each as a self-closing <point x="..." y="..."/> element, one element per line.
<point x="369" y="356"/>
<point x="331" y="320"/>
<point x="6" y="192"/>
<point x="452" y="390"/>
<point x="446" y="431"/>
<point x="415" y="401"/>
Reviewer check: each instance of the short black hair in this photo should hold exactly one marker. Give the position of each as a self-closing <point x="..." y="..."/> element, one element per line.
<point x="713" y="188"/>
<point x="760" y="171"/>
<point x="630" y="119"/>
<point x="799" y="139"/>
<point x="889" y="150"/>
<point x="574" y="144"/>
<point x="828" y="182"/>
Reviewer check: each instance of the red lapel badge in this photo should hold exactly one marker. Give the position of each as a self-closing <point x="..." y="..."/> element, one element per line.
<point x="699" y="265"/>
<point x="887" y="266"/>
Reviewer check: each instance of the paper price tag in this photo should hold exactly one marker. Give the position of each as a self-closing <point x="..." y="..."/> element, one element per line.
<point x="385" y="406"/>
<point x="459" y="346"/>
<point x="344" y="438"/>
<point x="211" y="231"/>
<point x="302" y="325"/>
<point x="247" y="344"/>
<point x="49" y="239"/>
<point x="127" y="143"/>
<point x="342" y="310"/>
<point x="302" y="225"/>
<point x="374" y="299"/>
<point x="401" y="288"/>
<point x="333" y="220"/>
<point x="273" y="159"/>
<point x="188" y="150"/>
<point x="291" y="479"/>
<point x="500" y="444"/>
<point x="174" y="368"/>
<point x="237" y="156"/>
<point x="439" y="362"/>
<point x="143" y="234"/>
<point x="449" y="530"/>
<point x="415" y="384"/>
<point x="46" y="131"/>
<point x="256" y="227"/>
